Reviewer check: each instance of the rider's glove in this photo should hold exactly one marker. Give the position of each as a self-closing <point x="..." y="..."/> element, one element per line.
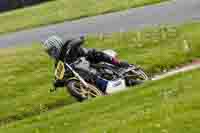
<point x="58" y="83"/>
<point x="52" y="89"/>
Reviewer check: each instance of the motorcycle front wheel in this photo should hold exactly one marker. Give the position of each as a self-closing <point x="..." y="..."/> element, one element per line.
<point x="77" y="90"/>
<point x="137" y="74"/>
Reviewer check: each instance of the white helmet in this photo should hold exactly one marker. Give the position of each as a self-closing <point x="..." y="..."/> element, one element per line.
<point x="53" y="46"/>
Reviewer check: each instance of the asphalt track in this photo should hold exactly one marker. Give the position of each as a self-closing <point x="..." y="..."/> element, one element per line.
<point x="171" y="12"/>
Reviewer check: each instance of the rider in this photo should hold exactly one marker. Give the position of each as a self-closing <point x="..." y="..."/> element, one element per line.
<point x="69" y="50"/>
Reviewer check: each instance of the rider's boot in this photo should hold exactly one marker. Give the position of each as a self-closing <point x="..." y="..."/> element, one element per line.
<point x="121" y="64"/>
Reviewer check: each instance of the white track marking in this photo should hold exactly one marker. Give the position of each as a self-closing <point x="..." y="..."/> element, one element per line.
<point x="176" y="71"/>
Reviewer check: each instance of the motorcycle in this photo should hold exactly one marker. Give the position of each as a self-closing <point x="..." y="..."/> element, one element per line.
<point x="111" y="77"/>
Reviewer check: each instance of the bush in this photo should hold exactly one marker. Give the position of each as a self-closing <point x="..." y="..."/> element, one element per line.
<point x="6" y="5"/>
<point x="15" y="3"/>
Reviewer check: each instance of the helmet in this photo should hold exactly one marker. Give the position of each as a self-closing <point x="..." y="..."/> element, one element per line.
<point x="53" y="46"/>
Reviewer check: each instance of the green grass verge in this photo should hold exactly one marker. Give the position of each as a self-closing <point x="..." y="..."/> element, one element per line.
<point x="26" y="73"/>
<point x="170" y="105"/>
<point x="60" y="10"/>
<point x="25" y="80"/>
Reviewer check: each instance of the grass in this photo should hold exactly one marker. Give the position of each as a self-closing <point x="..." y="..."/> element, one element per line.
<point x="22" y="96"/>
<point x="170" y="105"/>
<point x="155" y="49"/>
<point x="57" y="11"/>
<point x="26" y="73"/>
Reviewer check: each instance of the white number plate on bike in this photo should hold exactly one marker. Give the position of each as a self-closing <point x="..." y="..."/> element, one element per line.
<point x="115" y="86"/>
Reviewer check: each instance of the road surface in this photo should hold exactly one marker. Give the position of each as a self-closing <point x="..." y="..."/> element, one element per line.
<point x="171" y="12"/>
